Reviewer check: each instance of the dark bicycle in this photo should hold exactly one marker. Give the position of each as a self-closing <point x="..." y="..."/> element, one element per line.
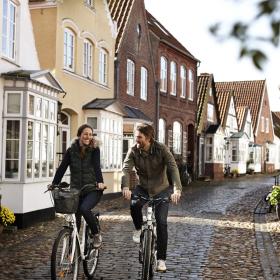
<point x="70" y="246"/>
<point x="148" y="237"/>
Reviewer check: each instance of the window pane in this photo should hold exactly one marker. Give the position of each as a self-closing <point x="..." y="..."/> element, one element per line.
<point x="11" y="169"/>
<point x="37" y="149"/>
<point x="92" y="121"/>
<point x="13" y="104"/>
<point x="29" y="169"/>
<point x="12" y="130"/>
<point x="31" y="104"/>
<point x="39" y="107"/>
<point x="52" y="111"/>
<point x="12" y="149"/>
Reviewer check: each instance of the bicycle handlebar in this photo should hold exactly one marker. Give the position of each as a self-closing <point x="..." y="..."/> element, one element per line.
<point x="64" y="185"/>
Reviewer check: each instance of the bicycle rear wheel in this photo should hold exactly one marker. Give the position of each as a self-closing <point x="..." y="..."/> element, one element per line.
<point x="147" y="254"/>
<point x="61" y="266"/>
<point x="91" y="260"/>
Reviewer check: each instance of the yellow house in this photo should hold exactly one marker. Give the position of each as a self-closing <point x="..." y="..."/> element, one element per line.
<point x="75" y="39"/>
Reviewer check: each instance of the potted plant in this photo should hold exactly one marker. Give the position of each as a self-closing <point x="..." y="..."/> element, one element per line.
<point x="250" y="166"/>
<point x="234" y="172"/>
<point x="7" y="217"/>
<point x="274" y="199"/>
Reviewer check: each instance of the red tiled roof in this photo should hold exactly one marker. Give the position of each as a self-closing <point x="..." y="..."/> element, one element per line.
<point x="203" y="84"/>
<point x="241" y="112"/>
<point x="120" y="11"/>
<point x="276" y="123"/>
<point x="246" y="93"/>
<point x="165" y="36"/>
<point x="223" y="100"/>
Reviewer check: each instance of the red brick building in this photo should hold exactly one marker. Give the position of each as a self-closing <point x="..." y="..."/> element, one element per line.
<point x="135" y="84"/>
<point x="176" y="73"/>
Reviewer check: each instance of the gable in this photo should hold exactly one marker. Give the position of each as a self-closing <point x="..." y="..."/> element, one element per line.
<point x="246" y="93"/>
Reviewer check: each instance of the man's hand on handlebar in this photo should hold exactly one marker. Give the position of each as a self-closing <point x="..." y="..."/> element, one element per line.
<point x="126" y="193"/>
<point x="175" y="197"/>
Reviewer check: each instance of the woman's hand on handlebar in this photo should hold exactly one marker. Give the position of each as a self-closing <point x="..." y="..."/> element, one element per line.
<point x="101" y="186"/>
<point x="126" y="193"/>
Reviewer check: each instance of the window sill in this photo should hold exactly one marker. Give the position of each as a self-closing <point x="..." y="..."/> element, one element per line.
<point x="84" y="79"/>
<point x="10" y="60"/>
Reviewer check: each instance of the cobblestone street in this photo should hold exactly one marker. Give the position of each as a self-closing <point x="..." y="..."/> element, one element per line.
<point x="213" y="234"/>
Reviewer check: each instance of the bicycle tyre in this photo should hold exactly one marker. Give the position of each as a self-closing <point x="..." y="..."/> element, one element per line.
<point x="277" y="208"/>
<point x="60" y="266"/>
<point x="92" y="256"/>
<point x="147" y="254"/>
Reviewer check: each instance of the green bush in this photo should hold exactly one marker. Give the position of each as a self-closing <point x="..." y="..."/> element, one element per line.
<point x="274" y="197"/>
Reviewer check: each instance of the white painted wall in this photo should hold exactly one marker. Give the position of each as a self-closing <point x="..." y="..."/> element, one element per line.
<point x="26" y="198"/>
<point x="277" y="152"/>
<point x="26" y="54"/>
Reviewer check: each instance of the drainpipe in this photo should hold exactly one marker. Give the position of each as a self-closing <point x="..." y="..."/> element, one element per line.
<point x="157" y="108"/>
<point x="116" y="78"/>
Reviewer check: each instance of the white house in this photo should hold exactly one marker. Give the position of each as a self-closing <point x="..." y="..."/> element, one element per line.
<point x="28" y="118"/>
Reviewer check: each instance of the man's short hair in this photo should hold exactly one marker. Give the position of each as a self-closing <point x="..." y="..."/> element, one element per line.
<point x="147" y="130"/>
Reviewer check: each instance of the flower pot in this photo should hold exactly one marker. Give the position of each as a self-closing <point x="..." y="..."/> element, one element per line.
<point x="1" y="228"/>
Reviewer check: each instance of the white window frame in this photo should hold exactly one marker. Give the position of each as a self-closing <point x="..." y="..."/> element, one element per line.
<point x="267" y="125"/>
<point x="173" y="78"/>
<point x="111" y="137"/>
<point x="262" y="124"/>
<point x="69" y="49"/>
<point x="163" y="74"/>
<point x="28" y="100"/>
<point x="177" y="137"/>
<point x="87" y="56"/>
<point x="161" y="130"/>
<point x="4" y="150"/>
<point x="210" y="112"/>
<point x="183" y="76"/>
<point x="209" y="149"/>
<point x="130" y="77"/>
<point x="144" y="84"/>
<point x="6" y="103"/>
<point x="10" y="38"/>
<point x="90" y="3"/>
<point x="191" y="85"/>
<point x="103" y="67"/>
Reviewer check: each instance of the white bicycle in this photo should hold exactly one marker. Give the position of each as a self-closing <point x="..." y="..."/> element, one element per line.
<point x="70" y="246"/>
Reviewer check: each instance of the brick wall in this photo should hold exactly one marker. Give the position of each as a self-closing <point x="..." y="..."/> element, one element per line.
<point x="138" y="50"/>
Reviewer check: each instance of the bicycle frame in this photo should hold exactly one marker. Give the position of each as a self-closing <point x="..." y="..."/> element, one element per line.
<point x="72" y="223"/>
<point x="147" y="252"/>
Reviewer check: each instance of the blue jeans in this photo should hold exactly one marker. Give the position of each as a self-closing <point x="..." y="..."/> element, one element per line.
<point x="161" y="213"/>
<point x="88" y="202"/>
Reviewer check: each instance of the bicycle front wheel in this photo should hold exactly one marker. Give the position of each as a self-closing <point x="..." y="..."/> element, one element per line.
<point x="61" y="266"/>
<point x="91" y="259"/>
<point x="147" y="254"/>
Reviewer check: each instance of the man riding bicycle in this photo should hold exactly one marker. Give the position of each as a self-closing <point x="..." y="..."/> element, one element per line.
<point x="152" y="161"/>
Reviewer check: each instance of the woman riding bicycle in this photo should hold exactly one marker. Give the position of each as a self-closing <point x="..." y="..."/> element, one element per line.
<point x="152" y="161"/>
<point x="83" y="157"/>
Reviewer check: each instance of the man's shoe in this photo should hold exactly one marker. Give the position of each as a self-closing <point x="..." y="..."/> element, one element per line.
<point x="97" y="241"/>
<point x="136" y="236"/>
<point x="161" y="267"/>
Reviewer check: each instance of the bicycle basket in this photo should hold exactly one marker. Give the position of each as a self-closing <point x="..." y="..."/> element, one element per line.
<point x="66" y="201"/>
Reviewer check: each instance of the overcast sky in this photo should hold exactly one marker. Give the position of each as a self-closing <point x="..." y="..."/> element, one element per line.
<point x="189" y="21"/>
